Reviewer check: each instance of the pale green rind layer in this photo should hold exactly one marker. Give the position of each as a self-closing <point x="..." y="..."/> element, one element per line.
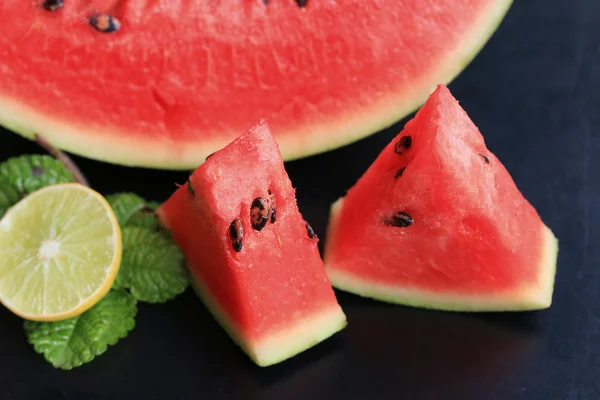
<point x="345" y="129"/>
<point x="284" y="344"/>
<point x="527" y="298"/>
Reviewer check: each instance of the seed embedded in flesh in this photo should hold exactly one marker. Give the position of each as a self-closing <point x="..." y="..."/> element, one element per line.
<point x="105" y="23"/>
<point x="273" y="209"/>
<point x="52" y="5"/>
<point x="259" y="213"/>
<point x="400" y="219"/>
<point x="402" y="144"/>
<point x="189" y="183"/>
<point x="236" y="233"/>
<point x="310" y="231"/>
<point x="485" y="158"/>
<point x="302" y="3"/>
<point x="399" y="173"/>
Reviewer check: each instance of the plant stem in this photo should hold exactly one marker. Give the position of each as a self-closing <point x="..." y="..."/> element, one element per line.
<point x="64" y="159"/>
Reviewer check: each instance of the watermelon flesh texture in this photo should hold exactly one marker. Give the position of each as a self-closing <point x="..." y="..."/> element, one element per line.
<point x="273" y="296"/>
<point x="179" y="80"/>
<point x="475" y="243"/>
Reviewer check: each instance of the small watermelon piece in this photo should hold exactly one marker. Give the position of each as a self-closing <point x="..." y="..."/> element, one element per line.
<point x="253" y="261"/>
<point x="437" y="222"/>
<point x="165" y="83"/>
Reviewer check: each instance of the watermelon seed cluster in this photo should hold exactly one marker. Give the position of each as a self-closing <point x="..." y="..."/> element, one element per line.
<point x="262" y="210"/>
<point x="52" y="5"/>
<point x="400" y="219"/>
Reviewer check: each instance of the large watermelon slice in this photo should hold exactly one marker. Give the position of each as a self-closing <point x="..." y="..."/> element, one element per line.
<point x="165" y="83"/>
<point x="437" y="221"/>
<point x="254" y="260"/>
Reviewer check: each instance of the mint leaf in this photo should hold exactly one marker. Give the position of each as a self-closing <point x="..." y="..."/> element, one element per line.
<point x="153" y="205"/>
<point x="152" y="266"/>
<point x="144" y="218"/>
<point x="73" y="342"/>
<point x="125" y="205"/>
<point x="9" y="195"/>
<point x="29" y="173"/>
<point x="133" y="210"/>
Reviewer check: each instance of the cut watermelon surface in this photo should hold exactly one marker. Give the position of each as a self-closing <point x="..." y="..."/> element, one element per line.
<point x="437" y="222"/>
<point x="165" y="83"/>
<point x="253" y="258"/>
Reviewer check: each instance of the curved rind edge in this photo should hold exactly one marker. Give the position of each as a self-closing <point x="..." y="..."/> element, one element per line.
<point x="529" y="298"/>
<point x="157" y="155"/>
<point x="281" y="345"/>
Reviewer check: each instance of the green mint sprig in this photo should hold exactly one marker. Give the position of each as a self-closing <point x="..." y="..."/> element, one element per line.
<point x="152" y="265"/>
<point x="22" y="175"/>
<point x="32" y="172"/>
<point x="9" y="195"/>
<point x="70" y="343"/>
<point x="152" y="268"/>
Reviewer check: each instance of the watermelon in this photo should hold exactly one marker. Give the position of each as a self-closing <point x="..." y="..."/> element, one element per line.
<point x="165" y="83"/>
<point x="254" y="260"/>
<point x="437" y="222"/>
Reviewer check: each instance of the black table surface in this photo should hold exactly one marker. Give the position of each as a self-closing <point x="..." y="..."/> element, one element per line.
<point x="534" y="91"/>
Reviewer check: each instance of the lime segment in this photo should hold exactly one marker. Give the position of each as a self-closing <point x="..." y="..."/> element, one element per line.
<point x="60" y="251"/>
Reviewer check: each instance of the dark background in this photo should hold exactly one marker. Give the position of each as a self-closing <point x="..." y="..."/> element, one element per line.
<point x="534" y="93"/>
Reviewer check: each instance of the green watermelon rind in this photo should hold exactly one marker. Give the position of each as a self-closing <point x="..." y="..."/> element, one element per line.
<point x="304" y="142"/>
<point x="529" y="298"/>
<point x="286" y="344"/>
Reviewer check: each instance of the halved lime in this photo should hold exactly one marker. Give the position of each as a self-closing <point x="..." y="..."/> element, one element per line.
<point x="60" y="251"/>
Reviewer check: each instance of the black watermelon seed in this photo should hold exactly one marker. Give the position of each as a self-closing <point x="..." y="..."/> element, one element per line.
<point x="402" y="144"/>
<point x="37" y="171"/>
<point x="302" y="3"/>
<point x="485" y="158"/>
<point x="105" y="23"/>
<point x="399" y="173"/>
<point x="310" y="231"/>
<point x="273" y="209"/>
<point x="259" y="213"/>
<point x="400" y="219"/>
<point x="236" y="233"/>
<point x="189" y="183"/>
<point x="52" y="5"/>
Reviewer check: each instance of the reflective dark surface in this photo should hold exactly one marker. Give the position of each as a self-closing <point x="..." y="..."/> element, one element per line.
<point x="534" y="91"/>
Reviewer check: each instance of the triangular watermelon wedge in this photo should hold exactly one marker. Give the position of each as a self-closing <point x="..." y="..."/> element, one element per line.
<point x="254" y="260"/>
<point x="438" y="222"/>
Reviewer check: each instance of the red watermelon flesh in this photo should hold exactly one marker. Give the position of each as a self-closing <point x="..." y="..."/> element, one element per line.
<point x="266" y="284"/>
<point x="180" y="79"/>
<point x="438" y="222"/>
